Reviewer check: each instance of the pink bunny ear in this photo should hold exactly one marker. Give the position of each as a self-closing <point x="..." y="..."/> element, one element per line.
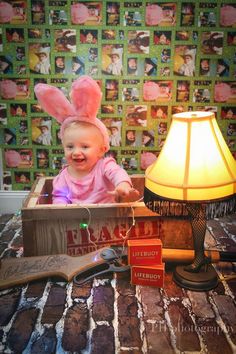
<point x="54" y="102"/>
<point x="86" y="98"/>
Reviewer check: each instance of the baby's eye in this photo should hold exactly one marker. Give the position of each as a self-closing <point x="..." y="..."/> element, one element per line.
<point x="69" y="147"/>
<point x="85" y="146"/>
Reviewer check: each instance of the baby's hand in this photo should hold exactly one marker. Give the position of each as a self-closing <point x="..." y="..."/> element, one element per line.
<point x="124" y="190"/>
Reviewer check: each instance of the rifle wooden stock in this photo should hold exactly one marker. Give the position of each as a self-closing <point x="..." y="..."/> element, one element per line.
<point x="16" y="271"/>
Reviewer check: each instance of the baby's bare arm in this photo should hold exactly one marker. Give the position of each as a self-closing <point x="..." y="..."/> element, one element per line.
<point x="124" y="189"/>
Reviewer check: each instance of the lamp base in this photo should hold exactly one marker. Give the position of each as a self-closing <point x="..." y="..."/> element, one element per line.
<point x="200" y="281"/>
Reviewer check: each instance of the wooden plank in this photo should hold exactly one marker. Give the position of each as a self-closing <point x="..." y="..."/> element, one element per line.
<point x="51" y="237"/>
<point x="67" y="236"/>
<point x="48" y="211"/>
<point x="29" y="238"/>
<point x="29" y="197"/>
<point x="35" y="195"/>
<point x="53" y="229"/>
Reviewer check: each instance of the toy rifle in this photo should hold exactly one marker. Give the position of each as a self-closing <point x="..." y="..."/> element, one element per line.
<point x="17" y="271"/>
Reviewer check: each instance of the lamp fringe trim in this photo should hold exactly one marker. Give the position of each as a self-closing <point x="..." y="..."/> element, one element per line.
<point x="178" y="209"/>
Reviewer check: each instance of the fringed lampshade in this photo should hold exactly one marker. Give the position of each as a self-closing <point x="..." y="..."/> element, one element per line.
<point x="194" y="176"/>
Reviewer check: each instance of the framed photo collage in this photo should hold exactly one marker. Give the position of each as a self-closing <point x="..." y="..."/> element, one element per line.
<point x="151" y="59"/>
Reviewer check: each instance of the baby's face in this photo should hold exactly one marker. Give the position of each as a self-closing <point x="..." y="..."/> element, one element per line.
<point x="83" y="147"/>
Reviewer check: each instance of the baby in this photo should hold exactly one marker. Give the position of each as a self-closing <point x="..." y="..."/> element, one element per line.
<point x="88" y="177"/>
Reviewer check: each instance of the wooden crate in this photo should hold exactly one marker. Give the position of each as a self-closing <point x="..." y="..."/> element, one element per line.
<point x="52" y="229"/>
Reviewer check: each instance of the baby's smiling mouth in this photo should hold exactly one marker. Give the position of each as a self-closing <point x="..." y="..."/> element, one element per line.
<point x="79" y="160"/>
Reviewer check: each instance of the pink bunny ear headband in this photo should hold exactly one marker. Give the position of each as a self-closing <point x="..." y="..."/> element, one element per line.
<point x="85" y="101"/>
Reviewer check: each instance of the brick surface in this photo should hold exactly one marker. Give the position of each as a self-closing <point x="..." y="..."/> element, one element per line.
<point x="3" y="247"/>
<point x="17" y="242"/>
<point x="82" y="292"/>
<point x="170" y="288"/>
<point x="232" y="285"/>
<point x="10" y="252"/>
<point x="152" y="303"/>
<point x="35" y="289"/>
<point x="158" y="338"/>
<point x="103" y="340"/>
<point x="7" y="235"/>
<point x="21" y="329"/>
<point x="226" y="308"/>
<point x="75" y="328"/>
<point x="221" y="232"/>
<point x="1" y="339"/>
<point x="4" y="218"/>
<point x="8" y="306"/>
<point x="127" y="305"/>
<point x="123" y="285"/>
<point x="200" y="304"/>
<point x="112" y="316"/>
<point x="214" y="339"/>
<point x="220" y="289"/>
<point x="46" y="343"/>
<point x="129" y="334"/>
<point x="103" y="303"/>
<point x="131" y="351"/>
<point x="54" y="306"/>
<point x="183" y="327"/>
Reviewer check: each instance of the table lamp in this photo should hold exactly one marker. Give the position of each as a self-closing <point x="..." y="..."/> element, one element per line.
<point x="194" y="177"/>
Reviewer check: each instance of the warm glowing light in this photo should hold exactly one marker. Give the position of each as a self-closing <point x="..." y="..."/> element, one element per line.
<point x="195" y="162"/>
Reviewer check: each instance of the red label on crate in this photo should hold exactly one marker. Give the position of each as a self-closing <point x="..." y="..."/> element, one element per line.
<point x="107" y="234"/>
<point x="147" y="275"/>
<point x="145" y="252"/>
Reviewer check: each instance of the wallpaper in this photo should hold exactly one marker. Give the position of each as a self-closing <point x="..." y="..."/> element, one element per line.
<point x="151" y="59"/>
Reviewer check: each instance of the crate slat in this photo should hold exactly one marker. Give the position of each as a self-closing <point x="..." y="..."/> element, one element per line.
<point x="53" y="229"/>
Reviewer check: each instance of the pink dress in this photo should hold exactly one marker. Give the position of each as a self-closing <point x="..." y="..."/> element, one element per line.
<point x="91" y="189"/>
